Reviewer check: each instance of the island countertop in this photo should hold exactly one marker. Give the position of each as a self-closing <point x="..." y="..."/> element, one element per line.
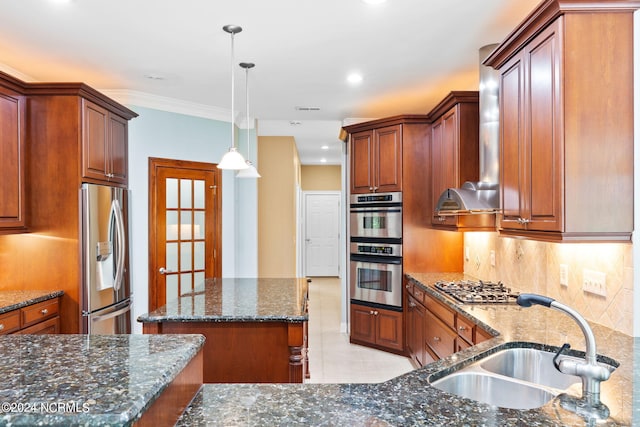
<point x="93" y="380"/>
<point x="238" y="300"/>
<point x="411" y="400"/>
<point x="14" y="299"/>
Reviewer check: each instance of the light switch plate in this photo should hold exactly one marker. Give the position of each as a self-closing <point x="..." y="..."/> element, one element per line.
<point x="594" y="282"/>
<point x="564" y="275"/>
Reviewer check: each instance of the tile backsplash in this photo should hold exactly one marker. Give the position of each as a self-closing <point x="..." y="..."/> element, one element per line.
<point x="534" y="267"/>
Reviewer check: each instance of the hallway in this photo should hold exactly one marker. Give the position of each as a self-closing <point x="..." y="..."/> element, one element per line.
<point x="332" y="359"/>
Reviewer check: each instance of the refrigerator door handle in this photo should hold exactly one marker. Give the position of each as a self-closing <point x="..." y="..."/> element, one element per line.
<point x="112" y="314"/>
<point x="119" y="221"/>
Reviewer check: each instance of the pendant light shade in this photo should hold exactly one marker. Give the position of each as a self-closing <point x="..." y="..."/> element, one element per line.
<point x="232" y="159"/>
<point x="250" y="171"/>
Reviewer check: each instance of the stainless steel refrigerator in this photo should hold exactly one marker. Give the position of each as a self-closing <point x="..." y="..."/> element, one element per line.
<point x="106" y="285"/>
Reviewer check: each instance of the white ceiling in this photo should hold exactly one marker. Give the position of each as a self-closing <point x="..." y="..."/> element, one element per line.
<point x="411" y="53"/>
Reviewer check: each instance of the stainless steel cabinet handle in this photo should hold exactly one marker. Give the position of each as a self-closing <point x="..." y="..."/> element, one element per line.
<point x="163" y="270"/>
<point x="412" y="304"/>
<point x="436" y="339"/>
<point x="462" y="328"/>
<point x="1" y="326"/>
<point x="44" y="311"/>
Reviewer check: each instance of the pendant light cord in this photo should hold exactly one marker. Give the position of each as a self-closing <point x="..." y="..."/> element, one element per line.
<point x="233" y="139"/>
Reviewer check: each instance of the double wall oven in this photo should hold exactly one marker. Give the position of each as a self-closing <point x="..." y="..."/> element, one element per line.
<point x="376" y="249"/>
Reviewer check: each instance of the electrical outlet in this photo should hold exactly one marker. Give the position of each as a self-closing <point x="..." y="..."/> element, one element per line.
<point x="492" y="257"/>
<point x="594" y="282"/>
<point x="564" y="275"/>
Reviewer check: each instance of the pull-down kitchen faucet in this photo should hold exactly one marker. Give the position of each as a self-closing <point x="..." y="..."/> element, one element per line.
<point x="590" y="371"/>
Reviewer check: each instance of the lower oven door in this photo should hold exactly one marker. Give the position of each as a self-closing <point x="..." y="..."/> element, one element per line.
<point x="376" y="279"/>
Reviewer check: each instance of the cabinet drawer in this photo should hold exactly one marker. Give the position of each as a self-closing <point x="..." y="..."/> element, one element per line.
<point x="38" y="312"/>
<point x="446" y="315"/>
<point x="50" y="326"/>
<point x="465" y="328"/>
<point x="439" y="337"/>
<point x="9" y="322"/>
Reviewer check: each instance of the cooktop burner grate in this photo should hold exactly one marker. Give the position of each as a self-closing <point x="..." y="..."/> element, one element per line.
<point x="478" y="292"/>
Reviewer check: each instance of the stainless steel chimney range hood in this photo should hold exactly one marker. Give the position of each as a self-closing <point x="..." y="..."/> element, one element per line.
<point x="480" y="197"/>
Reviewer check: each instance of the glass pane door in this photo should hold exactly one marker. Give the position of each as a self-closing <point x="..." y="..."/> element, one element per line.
<point x="185" y="236"/>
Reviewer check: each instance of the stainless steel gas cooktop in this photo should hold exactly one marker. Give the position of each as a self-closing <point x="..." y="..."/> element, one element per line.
<point x="478" y="292"/>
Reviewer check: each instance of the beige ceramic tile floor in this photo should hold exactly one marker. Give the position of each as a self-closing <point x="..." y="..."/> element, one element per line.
<point x="332" y="359"/>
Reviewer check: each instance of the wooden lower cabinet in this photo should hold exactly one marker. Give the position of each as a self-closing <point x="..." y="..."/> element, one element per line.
<point x="39" y="318"/>
<point x="435" y="331"/>
<point x="376" y="327"/>
<point x="170" y="405"/>
<point x="246" y="352"/>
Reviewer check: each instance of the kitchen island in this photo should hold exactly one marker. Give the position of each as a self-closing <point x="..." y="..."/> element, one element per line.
<point x="97" y="380"/>
<point x="255" y="328"/>
<point x="411" y="400"/>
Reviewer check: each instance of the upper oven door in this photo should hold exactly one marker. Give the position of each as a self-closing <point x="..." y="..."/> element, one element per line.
<point x="376" y="222"/>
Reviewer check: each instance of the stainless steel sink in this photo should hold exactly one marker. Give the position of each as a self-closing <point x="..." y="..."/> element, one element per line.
<point x="494" y="390"/>
<point x="528" y="364"/>
<point x="516" y="378"/>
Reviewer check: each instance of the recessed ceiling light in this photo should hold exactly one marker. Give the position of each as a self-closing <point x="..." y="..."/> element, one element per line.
<point x="325" y="147"/>
<point x="323" y="160"/>
<point x="354" y="78"/>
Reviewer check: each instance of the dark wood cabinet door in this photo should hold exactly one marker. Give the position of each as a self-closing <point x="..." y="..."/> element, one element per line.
<point x="118" y="145"/>
<point x="543" y="200"/>
<point x="362" y="324"/>
<point x="415" y="331"/>
<point x="512" y="176"/>
<point x="389" y="329"/>
<point x="95" y="131"/>
<point x="437" y="164"/>
<point x="12" y="149"/>
<point x="361" y="162"/>
<point x="388" y="159"/>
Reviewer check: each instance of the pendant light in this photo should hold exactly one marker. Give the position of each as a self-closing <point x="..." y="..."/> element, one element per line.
<point x="250" y="171"/>
<point x="232" y="158"/>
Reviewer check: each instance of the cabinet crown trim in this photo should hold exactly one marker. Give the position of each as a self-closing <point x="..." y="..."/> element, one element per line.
<point x="452" y="99"/>
<point x="546" y="12"/>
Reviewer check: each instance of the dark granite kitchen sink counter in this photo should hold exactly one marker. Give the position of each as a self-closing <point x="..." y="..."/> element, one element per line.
<point x="92" y="380"/>
<point x="238" y="300"/>
<point x="12" y="300"/>
<point x="411" y="400"/>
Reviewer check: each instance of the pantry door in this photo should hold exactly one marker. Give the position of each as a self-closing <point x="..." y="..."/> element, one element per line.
<point x="184" y="228"/>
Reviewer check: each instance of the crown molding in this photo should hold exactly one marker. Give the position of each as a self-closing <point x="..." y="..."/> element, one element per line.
<point x="173" y="105"/>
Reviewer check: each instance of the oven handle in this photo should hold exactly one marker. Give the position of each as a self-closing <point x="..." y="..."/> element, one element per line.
<point x="375" y="210"/>
<point x="376" y="259"/>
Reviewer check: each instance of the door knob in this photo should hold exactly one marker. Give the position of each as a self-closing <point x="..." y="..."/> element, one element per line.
<point x="163" y="270"/>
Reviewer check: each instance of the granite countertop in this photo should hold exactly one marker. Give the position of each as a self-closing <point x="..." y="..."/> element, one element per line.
<point x="238" y="300"/>
<point x="12" y="300"/>
<point x="92" y="380"/>
<point x="411" y="400"/>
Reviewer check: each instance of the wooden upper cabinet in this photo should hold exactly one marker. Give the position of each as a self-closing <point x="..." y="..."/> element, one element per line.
<point x="566" y="123"/>
<point x="361" y="154"/>
<point x="531" y="156"/>
<point x="104" y="144"/>
<point x="12" y="161"/>
<point x="455" y="156"/>
<point x="388" y="159"/>
<point x="376" y="160"/>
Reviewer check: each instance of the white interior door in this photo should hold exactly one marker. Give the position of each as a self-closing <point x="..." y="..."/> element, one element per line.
<point x="322" y="233"/>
